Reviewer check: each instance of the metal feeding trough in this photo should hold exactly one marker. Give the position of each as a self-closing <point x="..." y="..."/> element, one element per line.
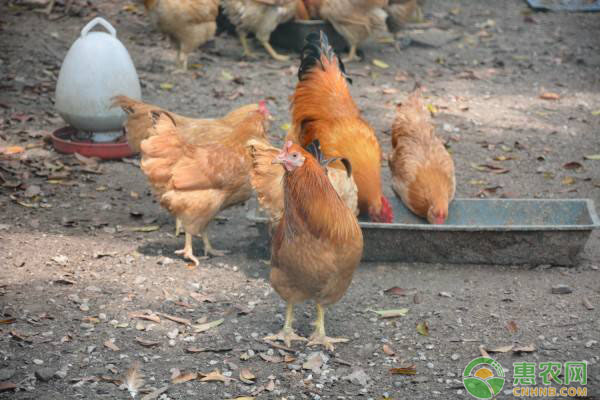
<point x="481" y="231"/>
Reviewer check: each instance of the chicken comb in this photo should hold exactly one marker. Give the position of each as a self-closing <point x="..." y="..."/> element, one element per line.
<point x="155" y="115"/>
<point x="314" y="148"/>
<point x="317" y="44"/>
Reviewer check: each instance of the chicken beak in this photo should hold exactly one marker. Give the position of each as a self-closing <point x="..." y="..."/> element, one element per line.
<point x="280" y="159"/>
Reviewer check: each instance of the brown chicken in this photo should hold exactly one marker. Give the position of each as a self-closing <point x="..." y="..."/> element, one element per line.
<point x="355" y="20"/>
<point x="196" y="131"/>
<point x="402" y="11"/>
<point x="308" y="9"/>
<point x="267" y="181"/>
<point x="422" y="169"/>
<point x="138" y="125"/>
<point x="322" y="108"/>
<point x="260" y="17"/>
<point x="317" y="245"/>
<point x="196" y="181"/>
<point x="188" y="23"/>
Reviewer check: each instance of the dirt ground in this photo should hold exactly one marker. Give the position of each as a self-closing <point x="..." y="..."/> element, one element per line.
<point x="77" y="270"/>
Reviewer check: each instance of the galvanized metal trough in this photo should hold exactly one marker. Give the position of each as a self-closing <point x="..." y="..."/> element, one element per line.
<point x="480" y="231"/>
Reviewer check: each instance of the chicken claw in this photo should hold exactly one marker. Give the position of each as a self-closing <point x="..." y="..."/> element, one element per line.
<point x="187" y="251"/>
<point x="273" y="53"/>
<point x="287" y="334"/>
<point x="318" y="337"/>
<point x="247" y="52"/>
<point x="208" y="249"/>
<point x="351" y="55"/>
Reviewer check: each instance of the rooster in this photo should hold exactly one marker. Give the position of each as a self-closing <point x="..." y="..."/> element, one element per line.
<point x="317" y="244"/>
<point x="322" y="108"/>
<point x="195" y="182"/>
<point x="422" y="169"/>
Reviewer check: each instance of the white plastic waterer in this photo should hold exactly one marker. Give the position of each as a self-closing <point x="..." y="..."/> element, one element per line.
<point x="96" y="68"/>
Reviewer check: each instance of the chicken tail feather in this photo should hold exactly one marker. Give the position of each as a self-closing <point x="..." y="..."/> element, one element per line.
<point x="317" y="46"/>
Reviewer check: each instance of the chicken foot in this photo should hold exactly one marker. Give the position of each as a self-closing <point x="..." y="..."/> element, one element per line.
<point x="318" y="337"/>
<point x="187" y="251"/>
<point x="208" y="249"/>
<point x="272" y="52"/>
<point x="244" y="41"/>
<point x="351" y="55"/>
<point x="287" y="334"/>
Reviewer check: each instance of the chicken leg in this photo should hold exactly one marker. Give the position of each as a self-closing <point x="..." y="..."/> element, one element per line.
<point x="287" y="334"/>
<point x="244" y="41"/>
<point x="351" y="55"/>
<point x="187" y="251"/>
<point x="318" y="337"/>
<point x="208" y="249"/>
<point x="272" y="52"/>
<point x="177" y="227"/>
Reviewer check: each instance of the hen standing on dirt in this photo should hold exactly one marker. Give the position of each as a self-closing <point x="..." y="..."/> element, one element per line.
<point x="189" y="23"/>
<point x="260" y="17"/>
<point x="318" y="242"/>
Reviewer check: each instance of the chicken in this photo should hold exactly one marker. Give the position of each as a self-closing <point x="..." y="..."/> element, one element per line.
<point x="308" y="9"/>
<point x="401" y="11"/>
<point x="260" y="17"/>
<point x="138" y="125"/>
<point x="196" y="131"/>
<point x="323" y="109"/>
<point x="195" y="182"/>
<point x="267" y="181"/>
<point x="188" y="23"/>
<point x="50" y="6"/>
<point x="355" y="20"/>
<point x="317" y="244"/>
<point x="422" y="169"/>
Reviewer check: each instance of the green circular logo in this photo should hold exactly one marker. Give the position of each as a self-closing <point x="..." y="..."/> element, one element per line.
<point x="483" y="378"/>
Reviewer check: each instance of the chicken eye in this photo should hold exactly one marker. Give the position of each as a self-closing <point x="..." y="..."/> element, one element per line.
<point x="295" y="155"/>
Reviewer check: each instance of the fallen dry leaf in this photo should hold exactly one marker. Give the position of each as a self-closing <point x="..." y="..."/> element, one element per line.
<point x="246" y="376"/>
<point x="185" y="377"/>
<point x="173" y="318"/>
<point x="269" y="387"/>
<point x="146" y="343"/>
<point x="524" y="349"/>
<point x="549" y="96"/>
<point x="595" y="157"/>
<point x="572" y="165"/>
<point x="586" y="303"/>
<point x="483" y="352"/>
<point x="7" y="320"/>
<point x="380" y="64"/>
<point x="511" y="326"/>
<point x="7" y="386"/>
<point x="400" y="312"/>
<point x="271" y="359"/>
<point x="10" y="150"/>
<point x="500" y="349"/>
<point x="209" y="325"/>
<point x="147" y="316"/>
<point x="147" y="228"/>
<point x="111" y="345"/>
<point x="423" y="328"/>
<point x="214" y="376"/>
<point x="155" y="394"/>
<point x="568" y="180"/>
<point x="387" y="349"/>
<point x="409" y="370"/>
<point x="398" y="291"/>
